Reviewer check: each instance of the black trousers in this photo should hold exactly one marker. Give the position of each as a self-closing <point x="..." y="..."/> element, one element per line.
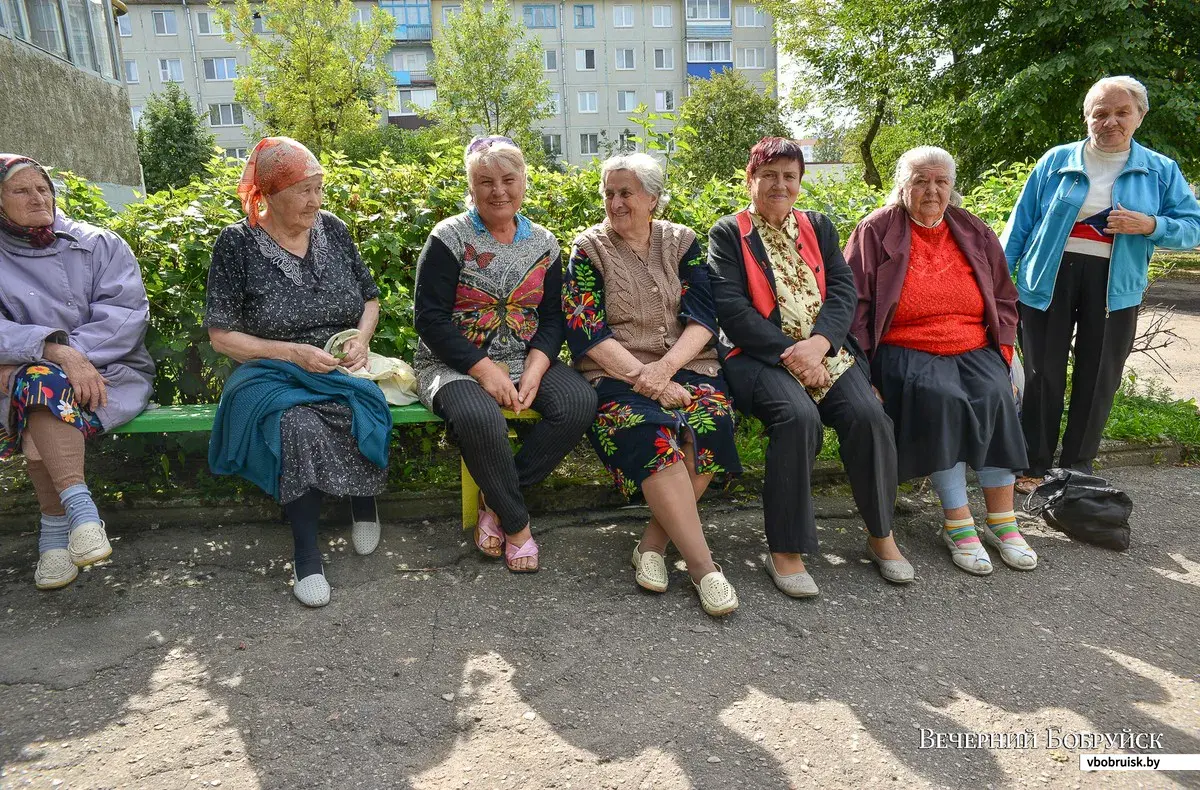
<point x="567" y="404"/>
<point x="794" y="424"/>
<point x="1102" y="344"/>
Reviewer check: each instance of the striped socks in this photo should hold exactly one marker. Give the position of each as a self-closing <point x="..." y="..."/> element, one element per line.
<point x="54" y="533"/>
<point x="80" y="507"/>
<point x="1004" y="526"/>
<point x="962" y="532"/>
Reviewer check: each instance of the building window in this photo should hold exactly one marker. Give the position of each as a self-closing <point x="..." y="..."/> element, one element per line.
<point x="750" y="16"/>
<point x="554" y="104"/>
<point x="589" y="143"/>
<point x="622" y="16"/>
<point x="709" y="51"/>
<point x="225" y="114"/>
<point x="164" y="23"/>
<point x="751" y="58"/>
<point x="538" y="15"/>
<point x="220" y="69"/>
<point x="552" y="144"/>
<point x="626" y="101"/>
<point x="585" y="60"/>
<point x="588" y="102"/>
<point x="135" y="111"/>
<point x="260" y="23"/>
<point x="550" y="60"/>
<point x="124" y="26"/>
<point x="170" y="69"/>
<point x="46" y="26"/>
<point x="412" y="102"/>
<point x="708" y="10"/>
<point x="131" y="71"/>
<point x="235" y="153"/>
<point x="412" y="62"/>
<point x="625" y="60"/>
<point x="449" y="12"/>
<point x="207" y="24"/>
<point x="84" y="52"/>
<point x="664" y="59"/>
<point x="661" y="15"/>
<point x="664" y="101"/>
<point x="585" y="16"/>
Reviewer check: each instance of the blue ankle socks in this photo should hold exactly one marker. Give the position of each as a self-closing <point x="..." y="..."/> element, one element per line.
<point x="80" y="507"/>
<point x="54" y="533"/>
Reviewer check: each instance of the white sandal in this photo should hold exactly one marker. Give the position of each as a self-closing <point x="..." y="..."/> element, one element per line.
<point x="364" y="535"/>
<point x="972" y="560"/>
<point x="651" y="570"/>
<point x="717" y="595"/>
<point x="1016" y="554"/>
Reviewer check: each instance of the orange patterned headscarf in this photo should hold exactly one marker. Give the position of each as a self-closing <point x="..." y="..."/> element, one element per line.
<point x="276" y="163"/>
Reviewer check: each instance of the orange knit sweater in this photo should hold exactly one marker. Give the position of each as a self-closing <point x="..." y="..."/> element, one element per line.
<point x="941" y="308"/>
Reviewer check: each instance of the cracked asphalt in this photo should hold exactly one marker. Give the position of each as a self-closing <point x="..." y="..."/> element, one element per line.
<point x="184" y="662"/>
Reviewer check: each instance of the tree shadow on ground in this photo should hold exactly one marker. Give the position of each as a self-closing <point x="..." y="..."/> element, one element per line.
<point x="187" y="657"/>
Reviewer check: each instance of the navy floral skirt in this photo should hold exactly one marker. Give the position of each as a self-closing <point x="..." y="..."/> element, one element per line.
<point x="636" y="437"/>
<point x="42" y="385"/>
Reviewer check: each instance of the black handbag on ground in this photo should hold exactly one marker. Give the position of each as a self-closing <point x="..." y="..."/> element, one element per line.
<point x="1085" y="507"/>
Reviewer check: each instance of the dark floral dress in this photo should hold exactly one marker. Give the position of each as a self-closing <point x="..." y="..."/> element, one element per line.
<point x="42" y="384"/>
<point x="633" y="435"/>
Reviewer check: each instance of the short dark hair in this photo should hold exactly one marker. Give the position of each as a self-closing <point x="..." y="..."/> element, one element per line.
<point x="769" y="149"/>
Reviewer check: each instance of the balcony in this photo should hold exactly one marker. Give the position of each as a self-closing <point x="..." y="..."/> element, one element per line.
<point x="413" y="33"/>
<point x="709" y="29"/>
<point x="413" y="19"/>
<point x="705" y="71"/>
<point x="410" y="78"/>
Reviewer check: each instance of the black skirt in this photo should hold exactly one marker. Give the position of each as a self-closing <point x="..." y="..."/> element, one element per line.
<point x="947" y="409"/>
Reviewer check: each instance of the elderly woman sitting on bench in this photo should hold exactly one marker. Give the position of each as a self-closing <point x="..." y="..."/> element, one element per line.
<point x="73" y="316"/>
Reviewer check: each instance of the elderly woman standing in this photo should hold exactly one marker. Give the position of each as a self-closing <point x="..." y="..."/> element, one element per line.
<point x="937" y="318"/>
<point x="785" y="299"/>
<point x="283" y="282"/>
<point x="73" y="316"/>
<point x="488" y="310"/>
<point x="641" y="324"/>
<point x="1079" y="241"/>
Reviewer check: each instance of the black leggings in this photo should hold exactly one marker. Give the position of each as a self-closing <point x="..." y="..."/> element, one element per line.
<point x="303" y="513"/>
<point x="567" y="404"/>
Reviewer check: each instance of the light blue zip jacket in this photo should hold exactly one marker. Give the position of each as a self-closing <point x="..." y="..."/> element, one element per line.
<point x="1040" y="223"/>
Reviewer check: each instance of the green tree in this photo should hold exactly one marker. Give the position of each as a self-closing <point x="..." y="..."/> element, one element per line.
<point x="489" y="77"/>
<point x="316" y="74"/>
<point x="721" y="121"/>
<point x="173" y="142"/>
<point x="868" y="58"/>
<point x="403" y="145"/>
<point x="832" y="141"/>
<point x="1021" y="68"/>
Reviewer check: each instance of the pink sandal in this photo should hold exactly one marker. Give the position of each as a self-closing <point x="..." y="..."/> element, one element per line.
<point x="488" y="527"/>
<point x="514" y="552"/>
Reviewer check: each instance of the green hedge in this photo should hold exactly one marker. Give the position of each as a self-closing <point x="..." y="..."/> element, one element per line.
<point x="390" y="209"/>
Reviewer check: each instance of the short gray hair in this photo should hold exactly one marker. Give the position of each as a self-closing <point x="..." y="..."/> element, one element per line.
<point x="1135" y="89"/>
<point x="918" y="158"/>
<point x="506" y="155"/>
<point x="646" y="168"/>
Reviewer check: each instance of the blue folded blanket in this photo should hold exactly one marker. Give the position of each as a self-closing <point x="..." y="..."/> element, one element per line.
<point x="246" y="438"/>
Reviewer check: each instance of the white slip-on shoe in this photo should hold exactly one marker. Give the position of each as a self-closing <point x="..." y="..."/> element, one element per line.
<point x="54" y="570"/>
<point x="797" y="585"/>
<point x="88" y="543"/>
<point x="651" y="570"/>
<point x="365" y="535"/>
<point x="972" y="560"/>
<point x="895" y="571"/>
<point x="312" y="590"/>
<point x="1016" y="554"/>
<point x="717" y="596"/>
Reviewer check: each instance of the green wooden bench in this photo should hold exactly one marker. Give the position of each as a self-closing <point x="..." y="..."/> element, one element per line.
<point x="199" y="418"/>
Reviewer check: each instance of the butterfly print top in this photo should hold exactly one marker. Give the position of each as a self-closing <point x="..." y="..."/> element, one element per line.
<point x="476" y="298"/>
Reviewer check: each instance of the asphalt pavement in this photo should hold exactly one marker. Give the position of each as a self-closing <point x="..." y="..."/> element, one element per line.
<point x="184" y="662"/>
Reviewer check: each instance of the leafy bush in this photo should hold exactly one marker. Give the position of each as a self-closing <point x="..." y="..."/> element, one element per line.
<point x="390" y="208"/>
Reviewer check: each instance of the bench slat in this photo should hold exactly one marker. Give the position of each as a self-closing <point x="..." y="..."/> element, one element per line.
<point x="199" y="418"/>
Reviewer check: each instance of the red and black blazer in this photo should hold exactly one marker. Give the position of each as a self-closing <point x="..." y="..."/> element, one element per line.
<point x="743" y="286"/>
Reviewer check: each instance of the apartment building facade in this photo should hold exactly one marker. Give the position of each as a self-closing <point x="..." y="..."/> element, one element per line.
<point x="602" y="58"/>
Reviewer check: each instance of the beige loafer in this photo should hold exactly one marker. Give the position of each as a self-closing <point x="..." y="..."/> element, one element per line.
<point x="895" y="571"/>
<point x="797" y="585"/>
<point x="1016" y="554"/>
<point x="88" y="543"/>
<point x="54" y="570"/>
<point x="651" y="570"/>
<point x="717" y="596"/>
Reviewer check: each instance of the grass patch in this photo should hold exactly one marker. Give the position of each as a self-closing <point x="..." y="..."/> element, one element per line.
<point x="1146" y="411"/>
<point x="1177" y="260"/>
